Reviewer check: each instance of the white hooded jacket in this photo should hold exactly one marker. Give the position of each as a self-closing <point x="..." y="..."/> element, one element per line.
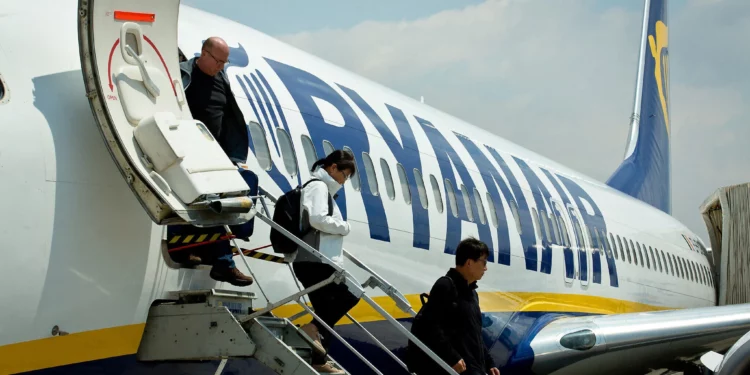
<point x="328" y="231"/>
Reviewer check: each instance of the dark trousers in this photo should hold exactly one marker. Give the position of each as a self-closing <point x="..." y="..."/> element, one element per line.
<point x="219" y="254"/>
<point x="330" y="302"/>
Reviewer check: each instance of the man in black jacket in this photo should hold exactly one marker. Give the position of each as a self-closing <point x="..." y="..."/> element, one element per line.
<point x="450" y="323"/>
<point x="211" y="101"/>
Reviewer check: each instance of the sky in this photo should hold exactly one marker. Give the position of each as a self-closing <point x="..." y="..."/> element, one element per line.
<point x="556" y="77"/>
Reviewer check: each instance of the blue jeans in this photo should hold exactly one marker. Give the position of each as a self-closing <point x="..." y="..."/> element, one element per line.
<point x="219" y="254"/>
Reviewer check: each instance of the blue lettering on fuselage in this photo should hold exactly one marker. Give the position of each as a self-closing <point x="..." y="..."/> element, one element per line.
<point x="446" y="157"/>
<point x="592" y="221"/>
<point x="493" y="180"/>
<point x="563" y="212"/>
<point x="542" y="199"/>
<point x="406" y="153"/>
<point x="303" y="87"/>
<point x="528" y="238"/>
<point x="276" y="175"/>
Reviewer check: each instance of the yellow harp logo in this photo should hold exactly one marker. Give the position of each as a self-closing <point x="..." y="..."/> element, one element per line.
<point x="659" y="46"/>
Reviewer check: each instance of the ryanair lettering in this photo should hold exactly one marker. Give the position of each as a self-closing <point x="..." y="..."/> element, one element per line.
<point x="523" y="195"/>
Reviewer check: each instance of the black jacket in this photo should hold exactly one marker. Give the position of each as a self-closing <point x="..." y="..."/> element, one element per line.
<point x="233" y="136"/>
<point x="451" y="325"/>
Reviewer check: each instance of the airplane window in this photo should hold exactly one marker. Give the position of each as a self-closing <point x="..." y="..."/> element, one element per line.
<point x="564" y="227"/>
<point x="420" y="188"/>
<point x="451" y="197"/>
<point x="389" y="188"/>
<point x="372" y="179"/>
<point x="602" y="240"/>
<point x="657" y="259"/>
<point x="537" y="229"/>
<point x="612" y="245"/>
<point x="691" y="266"/>
<point x="436" y="191"/>
<point x="699" y="272"/>
<point x="2" y="89"/>
<point x="287" y="152"/>
<point x="635" y="253"/>
<point x="594" y="237"/>
<point x="648" y="260"/>
<point x="590" y="236"/>
<point x="493" y="210"/>
<point x="631" y="256"/>
<point x="683" y="271"/>
<point x="309" y="148"/>
<point x="356" y="182"/>
<point x="543" y="217"/>
<point x="514" y="211"/>
<point x="671" y="265"/>
<point x="681" y="266"/>
<point x="480" y="206"/>
<point x="555" y="227"/>
<point x="404" y="183"/>
<point x="261" y="145"/>
<point x="579" y="233"/>
<point x="467" y="202"/>
<point x="327" y="147"/>
<point x="622" y="249"/>
<point x="664" y="258"/>
<point x="653" y="259"/>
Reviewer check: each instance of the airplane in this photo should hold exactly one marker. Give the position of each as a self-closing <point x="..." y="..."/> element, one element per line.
<point x="584" y="276"/>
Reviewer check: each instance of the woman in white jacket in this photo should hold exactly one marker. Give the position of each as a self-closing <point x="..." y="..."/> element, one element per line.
<point x="321" y="216"/>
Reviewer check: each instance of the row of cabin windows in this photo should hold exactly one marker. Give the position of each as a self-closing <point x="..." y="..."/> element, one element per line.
<point x="666" y="262"/>
<point x="656" y="259"/>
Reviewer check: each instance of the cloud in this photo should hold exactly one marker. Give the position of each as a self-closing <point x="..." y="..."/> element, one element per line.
<point x="558" y="78"/>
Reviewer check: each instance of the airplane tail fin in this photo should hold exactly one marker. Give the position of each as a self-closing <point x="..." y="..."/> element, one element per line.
<point x="645" y="172"/>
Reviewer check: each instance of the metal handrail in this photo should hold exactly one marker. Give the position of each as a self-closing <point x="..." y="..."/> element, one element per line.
<point x="341" y="275"/>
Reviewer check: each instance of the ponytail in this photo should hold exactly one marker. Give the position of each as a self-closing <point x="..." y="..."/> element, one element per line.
<point x="343" y="159"/>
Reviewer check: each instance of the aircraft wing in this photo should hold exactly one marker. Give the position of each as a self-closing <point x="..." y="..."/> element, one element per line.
<point x="629" y="343"/>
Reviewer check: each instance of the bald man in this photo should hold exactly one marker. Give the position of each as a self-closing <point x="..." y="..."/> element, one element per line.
<point x="210" y="98"/>
<point x="211" y="101"/>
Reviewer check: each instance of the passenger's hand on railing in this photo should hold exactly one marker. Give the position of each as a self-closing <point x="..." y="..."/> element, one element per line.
<point x="494" y="371"/>
<point x="460" y="366"/>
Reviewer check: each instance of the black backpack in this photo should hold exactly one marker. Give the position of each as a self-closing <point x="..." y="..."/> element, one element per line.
<point x="416" y="359"/>
<point x="286" y="214"/>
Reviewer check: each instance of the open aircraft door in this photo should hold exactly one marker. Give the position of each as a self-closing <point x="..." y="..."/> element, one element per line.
<point x="174" y="166"/>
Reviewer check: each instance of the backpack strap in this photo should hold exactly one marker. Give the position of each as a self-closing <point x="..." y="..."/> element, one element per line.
<point x="311" y="180"/>
<point x="330" y="200"/>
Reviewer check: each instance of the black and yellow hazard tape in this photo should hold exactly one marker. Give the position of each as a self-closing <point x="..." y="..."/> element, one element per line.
<point x="259" y="255"/>
<point x="194" y="238"/>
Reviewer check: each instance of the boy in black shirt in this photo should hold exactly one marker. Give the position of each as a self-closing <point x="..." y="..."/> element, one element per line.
<point x="450" y="324"/>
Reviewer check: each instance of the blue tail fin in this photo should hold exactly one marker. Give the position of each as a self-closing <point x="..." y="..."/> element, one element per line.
<point x="645" y="173"/>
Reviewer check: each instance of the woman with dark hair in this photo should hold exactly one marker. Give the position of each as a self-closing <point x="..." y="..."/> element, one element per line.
<point x="321" y="219"/>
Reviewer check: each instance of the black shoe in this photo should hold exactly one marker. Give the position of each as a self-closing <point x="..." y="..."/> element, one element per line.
<point x="231" y="275"/>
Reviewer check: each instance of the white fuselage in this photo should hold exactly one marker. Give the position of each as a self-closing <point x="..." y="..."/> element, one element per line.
<point x="81" y="254"/>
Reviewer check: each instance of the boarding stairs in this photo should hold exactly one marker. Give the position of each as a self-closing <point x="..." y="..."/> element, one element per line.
<point x="219" y="324"/>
